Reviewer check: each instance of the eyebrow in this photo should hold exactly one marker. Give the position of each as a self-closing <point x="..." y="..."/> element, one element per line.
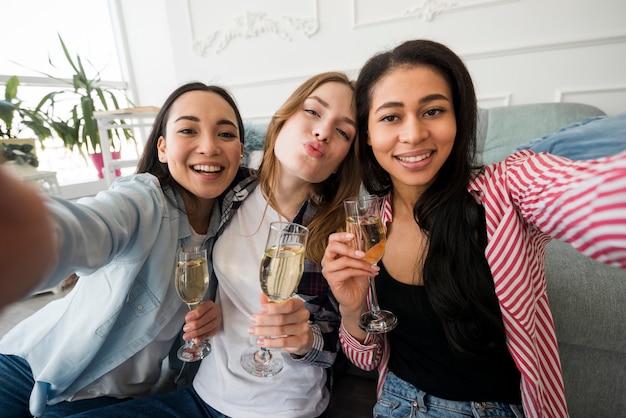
<point x="196" y="119"/>
<point x="326" y="105"/>
<point x="425" y="99"/>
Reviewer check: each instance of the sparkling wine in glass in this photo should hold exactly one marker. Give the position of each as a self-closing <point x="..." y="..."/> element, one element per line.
<point x="192" y="281"/>
<point x="281" y="269"/>
<point x="363" y="220"/>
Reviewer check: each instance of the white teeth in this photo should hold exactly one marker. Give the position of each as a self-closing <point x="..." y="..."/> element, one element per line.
<point x="207" y="168"/>
<point x="415" y="158"/>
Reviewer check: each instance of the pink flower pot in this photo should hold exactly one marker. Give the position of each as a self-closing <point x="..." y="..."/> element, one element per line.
<point x="99" y="164"/>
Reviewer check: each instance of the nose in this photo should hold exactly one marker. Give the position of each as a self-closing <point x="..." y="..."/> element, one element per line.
<point x="208" y="145"/>
<point x="322" y="131"/>
<point x="413" y="131"/>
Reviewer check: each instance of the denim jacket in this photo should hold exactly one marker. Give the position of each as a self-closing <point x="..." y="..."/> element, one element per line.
<point x="122" y="243"/>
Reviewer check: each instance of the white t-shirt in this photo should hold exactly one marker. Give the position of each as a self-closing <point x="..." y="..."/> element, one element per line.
<point x="298" y="390"/>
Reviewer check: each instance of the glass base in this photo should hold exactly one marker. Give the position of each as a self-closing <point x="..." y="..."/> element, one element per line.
<point x="190" y="352"/>
<point x="378" y="323"/>
<point x="261" y="362"/>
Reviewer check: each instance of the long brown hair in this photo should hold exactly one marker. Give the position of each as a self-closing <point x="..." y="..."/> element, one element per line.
<point x="330" y="193"/>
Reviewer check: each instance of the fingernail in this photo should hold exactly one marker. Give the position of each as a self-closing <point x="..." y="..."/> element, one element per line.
<point x="375" y="267"/>
<point x="251" y="330"/>
<point x="254" y="319"/>
<point x="359" y="253"/>
<point x="186" y="328"/>
<point x="349" y="236"/>
<point x="264" y="308"/>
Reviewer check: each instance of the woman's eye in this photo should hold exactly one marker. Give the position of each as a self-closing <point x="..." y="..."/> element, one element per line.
<point x="343" y="133"/>
<point x="433" y="112"/>
<point x="228" y="135"/>
<point x="186" y="131"/>
<point x="312" y="112"/>
<point x="389" y="118"/>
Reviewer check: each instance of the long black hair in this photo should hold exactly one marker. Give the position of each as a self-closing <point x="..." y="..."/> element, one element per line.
<point x="457" y="277"/>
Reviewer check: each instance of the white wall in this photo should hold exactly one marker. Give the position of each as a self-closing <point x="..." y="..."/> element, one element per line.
<point x="518" y="51"/>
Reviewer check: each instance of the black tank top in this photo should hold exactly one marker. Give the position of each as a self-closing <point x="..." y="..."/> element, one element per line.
<point x="421" y="355"/>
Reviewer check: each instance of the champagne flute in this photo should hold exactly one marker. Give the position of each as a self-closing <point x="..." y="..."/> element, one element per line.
<point x="363" y="220"/>
<point x="192" y="281"/>
<point x="281" y="269"/>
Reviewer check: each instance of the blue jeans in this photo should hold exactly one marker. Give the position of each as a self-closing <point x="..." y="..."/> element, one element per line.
<point x="16" y="383"/>
<point x="400" y="399"/>
<point x="182" y="403"/>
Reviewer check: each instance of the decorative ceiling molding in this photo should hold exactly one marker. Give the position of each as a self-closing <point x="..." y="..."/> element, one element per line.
<point x="494" y="101"/>
<point x="426" y="10"/>
<point x="501" y="52"/>
<point x="429" y="9"/>
<point x="610" y="99"/>
<point x="544" y="47"/>
<point x="253" y="24"/>
<point x="563" y="95"/>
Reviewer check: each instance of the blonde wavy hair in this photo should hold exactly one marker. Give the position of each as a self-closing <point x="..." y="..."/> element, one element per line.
<point x="329" y="194"/>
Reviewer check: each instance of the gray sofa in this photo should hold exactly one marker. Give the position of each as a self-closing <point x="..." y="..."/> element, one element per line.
<point x="588" y="299"/>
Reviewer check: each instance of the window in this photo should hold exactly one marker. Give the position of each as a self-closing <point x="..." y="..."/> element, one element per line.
<point x="88" y="30"/>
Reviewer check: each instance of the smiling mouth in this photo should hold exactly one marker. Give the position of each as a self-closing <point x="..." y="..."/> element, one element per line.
<point x="207" y="168"/>
<point x="414" y="158"/>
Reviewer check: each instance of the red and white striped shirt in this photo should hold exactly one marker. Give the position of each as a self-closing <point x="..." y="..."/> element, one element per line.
<point x="528" y="199"/>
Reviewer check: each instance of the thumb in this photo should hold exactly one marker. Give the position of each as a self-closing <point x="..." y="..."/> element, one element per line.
<point x="263" y="299"/>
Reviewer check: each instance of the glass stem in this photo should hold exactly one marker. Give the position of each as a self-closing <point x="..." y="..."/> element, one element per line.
<point x="373" y="298"/>
<point x="191" y="343"/>
<point x="263" y="355"/>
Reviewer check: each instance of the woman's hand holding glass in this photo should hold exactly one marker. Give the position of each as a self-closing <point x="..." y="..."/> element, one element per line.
<point x="280" y="272"/>
<point x="203" y="322"/>
<point x="283" y="325"/>
<point x="347" y="274"/>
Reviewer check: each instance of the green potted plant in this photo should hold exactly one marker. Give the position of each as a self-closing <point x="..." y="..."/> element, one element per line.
<point x="15" y="120"/>
<point x="85" y="94"/>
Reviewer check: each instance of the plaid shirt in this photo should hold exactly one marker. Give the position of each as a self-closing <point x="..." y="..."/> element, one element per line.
<point x="313" y="288"/>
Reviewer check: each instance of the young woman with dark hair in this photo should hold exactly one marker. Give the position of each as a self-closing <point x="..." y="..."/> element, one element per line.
<point x="463" y="262"/>
<point x="105" y="341"/>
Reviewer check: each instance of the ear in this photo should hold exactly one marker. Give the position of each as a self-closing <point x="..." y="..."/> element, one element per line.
<point x="161" y="149"/>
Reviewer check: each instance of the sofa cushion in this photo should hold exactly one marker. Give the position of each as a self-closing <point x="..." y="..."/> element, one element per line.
<point x="587" y="301"/>
<point x="594" y="137"/>
<point x="502" y="129"/>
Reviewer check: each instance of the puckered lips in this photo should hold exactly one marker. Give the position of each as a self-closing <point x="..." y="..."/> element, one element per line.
<point x="314" y="149"/>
